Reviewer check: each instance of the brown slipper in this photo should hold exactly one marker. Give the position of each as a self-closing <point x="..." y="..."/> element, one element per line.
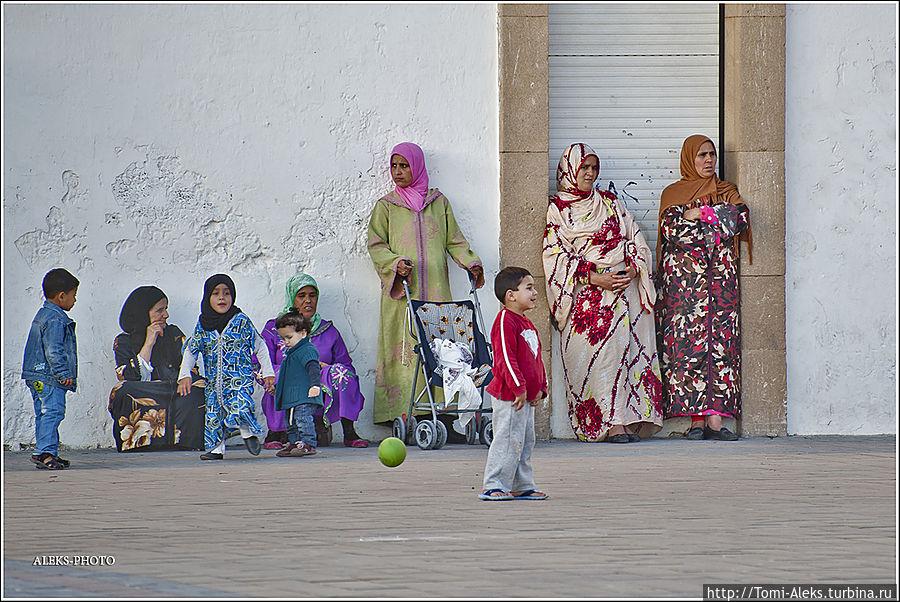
<point x="302" y="449"/>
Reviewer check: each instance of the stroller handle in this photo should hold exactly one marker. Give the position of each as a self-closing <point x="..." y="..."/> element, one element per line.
<point x="474" y="295"/>
<point x="409" y="309"/>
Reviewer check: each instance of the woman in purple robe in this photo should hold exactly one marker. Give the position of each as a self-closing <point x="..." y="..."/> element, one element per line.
<point x="340" y="383"/>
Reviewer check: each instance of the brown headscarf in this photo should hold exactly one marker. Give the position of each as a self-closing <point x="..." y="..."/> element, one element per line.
<point x="691" y="187"/>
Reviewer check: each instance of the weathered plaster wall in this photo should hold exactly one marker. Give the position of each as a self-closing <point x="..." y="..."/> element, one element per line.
<point x="841" y="217"/>
<point x="161" y="144"/>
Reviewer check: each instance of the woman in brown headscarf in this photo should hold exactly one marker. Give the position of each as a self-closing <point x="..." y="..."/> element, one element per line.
<point x="702" y="220"/>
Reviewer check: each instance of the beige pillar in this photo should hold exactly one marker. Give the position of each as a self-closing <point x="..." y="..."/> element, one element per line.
<point x="524" y="144"/>
<point x="753" y="154"/>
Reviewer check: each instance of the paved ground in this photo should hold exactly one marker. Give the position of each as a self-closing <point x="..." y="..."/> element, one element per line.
<point x="653" y="519"/>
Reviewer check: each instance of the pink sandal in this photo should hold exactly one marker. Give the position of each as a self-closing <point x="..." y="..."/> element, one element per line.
<point x="356" y="443"/>
<point x="273" y="445"/>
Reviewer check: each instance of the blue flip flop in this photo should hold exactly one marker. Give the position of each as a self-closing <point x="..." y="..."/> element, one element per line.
<point x="486" y="495"/>
<point x="526" y="495"/>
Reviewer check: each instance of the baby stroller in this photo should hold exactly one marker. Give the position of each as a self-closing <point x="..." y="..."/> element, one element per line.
<point x="456" y="321"/>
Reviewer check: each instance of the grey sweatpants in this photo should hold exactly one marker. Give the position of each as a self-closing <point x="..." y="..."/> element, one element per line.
<point x="509" y="458"/>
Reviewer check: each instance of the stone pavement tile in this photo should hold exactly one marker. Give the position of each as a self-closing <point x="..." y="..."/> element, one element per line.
<point x="370" y="530"/>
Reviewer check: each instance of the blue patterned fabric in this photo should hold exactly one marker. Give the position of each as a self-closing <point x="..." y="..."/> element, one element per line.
<point x="227" y="364"/>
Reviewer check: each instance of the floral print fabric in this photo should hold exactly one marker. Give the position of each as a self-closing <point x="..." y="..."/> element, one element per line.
<point x="698" y="310"/>
<point x="608" y="340"/>
<point x="610" y="364"/>
<point x="151" y="416"/>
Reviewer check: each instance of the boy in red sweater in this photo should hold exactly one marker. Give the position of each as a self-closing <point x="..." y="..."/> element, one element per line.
<point x="519" y="384"/>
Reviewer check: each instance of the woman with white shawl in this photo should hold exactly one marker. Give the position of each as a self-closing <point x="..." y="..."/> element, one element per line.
<point x="601" y="295"/>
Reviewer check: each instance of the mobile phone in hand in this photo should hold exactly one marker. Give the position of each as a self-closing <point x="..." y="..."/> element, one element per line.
<point x="621" y="272"/>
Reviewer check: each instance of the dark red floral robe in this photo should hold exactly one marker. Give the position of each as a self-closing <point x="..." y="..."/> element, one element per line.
<point x="698" y="312"/>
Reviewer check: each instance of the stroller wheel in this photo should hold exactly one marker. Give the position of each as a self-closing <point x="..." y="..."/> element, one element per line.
<point x="426" y="434"/>
<point x="398" y="429"/>
<point x="471" y="432"/>
<point x="487" y="431"/>
<point x="441" y="435"/>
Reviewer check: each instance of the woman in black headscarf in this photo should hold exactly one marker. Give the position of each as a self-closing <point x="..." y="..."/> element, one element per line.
<point x="149" y="348"/>
<point x="147" y="413"/>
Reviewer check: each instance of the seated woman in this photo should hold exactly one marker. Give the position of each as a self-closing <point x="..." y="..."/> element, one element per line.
<point x="147" y="413"/>
<point x="340" y="383"/>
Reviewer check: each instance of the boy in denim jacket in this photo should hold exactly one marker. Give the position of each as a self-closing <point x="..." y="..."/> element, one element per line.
<point x="50" y="367"/>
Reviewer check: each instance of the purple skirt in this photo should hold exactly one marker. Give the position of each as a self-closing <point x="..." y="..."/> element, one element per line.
<point x="342" y="398"/>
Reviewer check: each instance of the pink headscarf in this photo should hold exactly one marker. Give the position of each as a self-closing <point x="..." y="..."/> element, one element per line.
<point x="414" y="194"/>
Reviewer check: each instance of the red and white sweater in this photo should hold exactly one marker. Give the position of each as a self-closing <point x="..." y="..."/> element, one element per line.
<point x="518" y="366"/>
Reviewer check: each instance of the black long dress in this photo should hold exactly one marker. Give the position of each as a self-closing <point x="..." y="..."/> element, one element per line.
<point x="150" y="415"/>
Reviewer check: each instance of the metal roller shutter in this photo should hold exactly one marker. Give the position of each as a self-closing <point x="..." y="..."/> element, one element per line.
<point x="633" y="81"/>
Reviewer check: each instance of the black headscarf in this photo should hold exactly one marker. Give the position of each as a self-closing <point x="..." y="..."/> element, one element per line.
<point x="135" y="316"/>
<point x="210" y="319"/>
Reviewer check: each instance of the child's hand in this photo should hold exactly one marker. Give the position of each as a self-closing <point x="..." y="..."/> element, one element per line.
<point x="314" y="391"/>
<point x="67" y="382"/>
<point x="269" y="383"/>
<point x="184" y="386"/>
<point x="519" y="403"/>
<point x="534" y="402"/>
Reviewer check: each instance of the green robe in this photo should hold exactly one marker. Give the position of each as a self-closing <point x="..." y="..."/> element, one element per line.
<point x="396" y="232"/>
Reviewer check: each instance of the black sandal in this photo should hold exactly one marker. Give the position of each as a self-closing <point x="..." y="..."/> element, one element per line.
<point x="48" y="461"/>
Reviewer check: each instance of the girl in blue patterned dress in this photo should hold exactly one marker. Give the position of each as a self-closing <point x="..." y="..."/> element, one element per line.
<point x="226" y="338"/>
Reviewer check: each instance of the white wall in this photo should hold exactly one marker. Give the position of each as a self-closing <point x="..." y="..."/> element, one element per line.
<point x="841" y="218"/>
<point x="159" y="144"/>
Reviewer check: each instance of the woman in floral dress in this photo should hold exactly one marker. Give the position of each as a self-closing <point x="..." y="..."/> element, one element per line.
<point x="701" y="222"/>
<point x="597" y="266"/>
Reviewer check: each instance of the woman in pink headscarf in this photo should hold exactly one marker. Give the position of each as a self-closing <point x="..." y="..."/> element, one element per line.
<point x="597" y="266"/>
<point x="411" y="230"/>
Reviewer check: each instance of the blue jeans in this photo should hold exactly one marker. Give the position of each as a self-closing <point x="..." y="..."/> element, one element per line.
<point x="300" y="424"/>
<point x="49" y="411"/>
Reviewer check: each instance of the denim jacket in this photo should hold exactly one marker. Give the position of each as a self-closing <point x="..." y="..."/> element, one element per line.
<point x="51" y="354"/>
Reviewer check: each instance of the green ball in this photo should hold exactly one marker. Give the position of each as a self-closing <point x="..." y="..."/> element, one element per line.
<point x="392" y="452"/>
